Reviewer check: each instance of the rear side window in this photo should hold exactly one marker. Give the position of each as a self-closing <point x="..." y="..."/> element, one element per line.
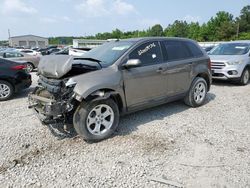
<point x="195" y="50"/>
<point x="149" y="53"/>
<point x="176" y="50"/>
<point x="12" y="54"/>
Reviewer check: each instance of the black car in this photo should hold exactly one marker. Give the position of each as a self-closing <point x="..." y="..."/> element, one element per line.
<point x="13" y="78"/>
<point x="53" y="50"/>
<point x="47" y="51"/>
<point x="64" y="51"/>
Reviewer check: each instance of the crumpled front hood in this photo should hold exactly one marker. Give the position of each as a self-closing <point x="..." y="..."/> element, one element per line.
<point x="226" y="58"/>
<point x="64" y="66"/>
<point x="55" y="66"/>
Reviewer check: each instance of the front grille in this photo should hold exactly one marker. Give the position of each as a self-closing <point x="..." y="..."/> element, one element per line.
<point x="217" y="65"/>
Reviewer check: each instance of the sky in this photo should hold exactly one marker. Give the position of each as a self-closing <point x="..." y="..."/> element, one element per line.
<point x="50" y="18"/>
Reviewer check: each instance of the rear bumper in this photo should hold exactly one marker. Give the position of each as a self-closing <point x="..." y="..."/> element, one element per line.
<point x="22" y="81"/>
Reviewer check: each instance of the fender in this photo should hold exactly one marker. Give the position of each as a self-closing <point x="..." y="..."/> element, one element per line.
<point x="106" y="78"/>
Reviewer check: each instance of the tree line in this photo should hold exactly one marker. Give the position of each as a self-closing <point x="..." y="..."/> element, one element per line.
<point x="221" y="27"/>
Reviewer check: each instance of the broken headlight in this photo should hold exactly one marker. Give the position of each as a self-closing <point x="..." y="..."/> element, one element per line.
<point x="70" y="83"/>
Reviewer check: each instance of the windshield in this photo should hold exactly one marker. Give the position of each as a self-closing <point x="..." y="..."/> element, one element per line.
<point x="109" y="52"/>
<point x="231" y="49"/>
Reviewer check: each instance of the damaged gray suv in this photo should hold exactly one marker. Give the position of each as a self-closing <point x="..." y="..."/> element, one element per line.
<point x="119" y="77"/>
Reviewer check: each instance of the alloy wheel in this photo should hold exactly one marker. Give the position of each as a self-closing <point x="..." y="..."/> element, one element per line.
<point x="199" y="92"/>
<point x="100" y="119"/>
<point x="4" y="91"/>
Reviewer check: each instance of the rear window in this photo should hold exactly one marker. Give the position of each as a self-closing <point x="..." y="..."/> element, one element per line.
<point x="194" y="49"/>
<point x="176" y="50"/>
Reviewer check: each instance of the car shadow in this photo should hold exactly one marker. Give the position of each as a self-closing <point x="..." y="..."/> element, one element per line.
<point x="226" y="83"/>
<point x="24" y="93"/>
<point x="131" y="122"/>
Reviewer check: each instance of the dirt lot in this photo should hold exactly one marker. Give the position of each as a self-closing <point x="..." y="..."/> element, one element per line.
<point x="203" y="147"/>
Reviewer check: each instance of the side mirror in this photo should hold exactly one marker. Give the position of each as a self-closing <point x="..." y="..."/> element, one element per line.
<point x="132" y="63"/>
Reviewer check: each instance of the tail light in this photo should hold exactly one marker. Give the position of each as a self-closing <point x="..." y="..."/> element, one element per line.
<point x="209" y="64"/>
<point x="19" y="67"/>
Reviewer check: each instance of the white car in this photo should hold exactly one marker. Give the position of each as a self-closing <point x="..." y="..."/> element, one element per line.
<point x="30" y="52"/>
<point x="231" y="61"/>
<point x="78" y="51"/>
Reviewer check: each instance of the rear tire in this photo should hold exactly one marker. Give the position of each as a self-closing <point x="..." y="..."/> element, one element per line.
<point x="197" y="93"/>
<point x="6" y="90"/>
<point x="96" y="120"/>
<point x="30" y="67"/>
<point x="245" y="77"/>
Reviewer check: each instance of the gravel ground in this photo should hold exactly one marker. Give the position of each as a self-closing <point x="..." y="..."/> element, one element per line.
<point x="202" y="147"/>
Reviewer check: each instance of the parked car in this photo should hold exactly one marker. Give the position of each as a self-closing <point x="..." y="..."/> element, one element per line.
<point x="117" y="78"/>
<point x="53" y="50"/>
<point x="30" y="52"/>
<point x="64" y="51"/>
<point x="13" y="78"/>
<point x="45" y="51"/>
<point x="32" y="61"/>
<point x="231" y="61"/>
<point x="78" y="51"/>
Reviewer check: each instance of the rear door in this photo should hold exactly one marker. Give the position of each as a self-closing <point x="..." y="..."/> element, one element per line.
<point x="145" y="84"/>
<point x="179" y="60"/>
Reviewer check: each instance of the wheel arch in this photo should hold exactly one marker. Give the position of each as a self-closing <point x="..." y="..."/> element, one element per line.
<point x="206" y="77"/>
<point x="29" y="62"/>
<point x="9" y="81"/>
<point x="247" y="67"/>
<point x="106" y="93"/>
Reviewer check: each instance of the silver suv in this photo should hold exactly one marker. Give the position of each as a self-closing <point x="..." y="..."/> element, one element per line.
<point x="231" y="61"/>
<point x="119" y="77"/>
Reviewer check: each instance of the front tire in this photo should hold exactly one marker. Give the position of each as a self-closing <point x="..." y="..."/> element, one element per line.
<point x="197" y="93"/>
<point x="96" y="120"/>
<point x="6" y="90"/>
<point x="245" y="77"/>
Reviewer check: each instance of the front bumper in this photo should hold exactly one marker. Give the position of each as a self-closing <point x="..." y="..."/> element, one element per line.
<point x="48" y="110"/>
<point x="229" y="72"/>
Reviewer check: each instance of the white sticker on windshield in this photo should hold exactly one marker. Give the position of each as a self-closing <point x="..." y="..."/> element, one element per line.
<point x="120" y="48"/>
<point x="240" y="47"/>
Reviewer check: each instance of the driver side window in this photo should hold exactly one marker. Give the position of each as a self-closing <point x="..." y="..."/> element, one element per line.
<point x="148" y="53"/>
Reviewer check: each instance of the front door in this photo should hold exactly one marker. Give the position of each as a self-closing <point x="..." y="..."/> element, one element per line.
<point x="146" y="83"/>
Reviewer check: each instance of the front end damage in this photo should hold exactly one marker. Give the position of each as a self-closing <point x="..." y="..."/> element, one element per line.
<point x="53" y="100"/>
